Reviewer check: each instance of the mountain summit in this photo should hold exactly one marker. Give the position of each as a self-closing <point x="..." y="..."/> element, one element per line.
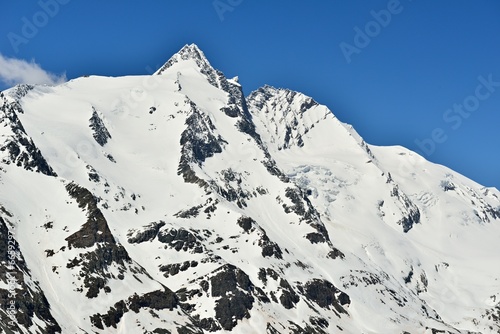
<point x="188" y="52"/>
<point x="172" y="203"/>
<point x="192" y="56"/>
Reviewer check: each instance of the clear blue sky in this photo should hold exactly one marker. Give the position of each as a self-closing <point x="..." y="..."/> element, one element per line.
<point x="398" y="86"/>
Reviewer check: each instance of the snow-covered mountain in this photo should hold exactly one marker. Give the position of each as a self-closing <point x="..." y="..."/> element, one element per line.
<point x="172" y="203"/>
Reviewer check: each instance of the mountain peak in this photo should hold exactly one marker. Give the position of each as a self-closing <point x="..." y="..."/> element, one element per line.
<point x="187" y="52"/>
<point x="192" y="53"/>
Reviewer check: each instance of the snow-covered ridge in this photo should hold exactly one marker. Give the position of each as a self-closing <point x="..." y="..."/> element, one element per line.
<point x="191" y="53"/>
<point x="193" y="209"/>
<point x="286" y="115"/>
<point x="188" y="52"/>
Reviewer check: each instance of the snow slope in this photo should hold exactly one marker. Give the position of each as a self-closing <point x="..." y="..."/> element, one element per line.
<point x="173" y="204"/>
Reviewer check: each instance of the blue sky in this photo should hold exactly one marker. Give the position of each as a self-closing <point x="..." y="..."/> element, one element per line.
<point x="422" y="74"/>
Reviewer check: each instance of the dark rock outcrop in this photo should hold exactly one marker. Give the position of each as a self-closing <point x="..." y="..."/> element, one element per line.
<point x="23" y="300"/>
<point x="96" y="228"/>
<point x="99" y="130"/>
<point x="18" y="148"/>
<point x="155" y="300"/>
<point x="180" y="239"/>
<point x="147" y="233"/>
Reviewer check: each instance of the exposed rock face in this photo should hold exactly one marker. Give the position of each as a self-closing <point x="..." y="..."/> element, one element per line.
<point x="147" y="233"/>
<point x="99" y="130"/>
<point x="22" y="301"/>
<point x="412" y="216"/>
<point x="94" y="265"/>
<point x="288" y="114"/>
<point x="180" y="240"/>
<point x="18" y="148"/>
<point x="96" y="228"/>
<point x="325" y="294"/>
<point x="234" y="288"/>
<point x="192" y="52"/>
<point x="198" y="142"/>
<point x="156" y="300"/>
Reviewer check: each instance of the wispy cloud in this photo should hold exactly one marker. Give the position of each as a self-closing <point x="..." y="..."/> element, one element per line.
<point x="17" y="71"/>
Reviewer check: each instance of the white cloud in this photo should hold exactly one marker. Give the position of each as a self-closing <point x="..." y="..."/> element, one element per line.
<point x="17" y="71"/>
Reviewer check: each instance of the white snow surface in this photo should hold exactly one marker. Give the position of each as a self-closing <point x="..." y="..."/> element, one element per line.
<point x="440" y="274"/>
